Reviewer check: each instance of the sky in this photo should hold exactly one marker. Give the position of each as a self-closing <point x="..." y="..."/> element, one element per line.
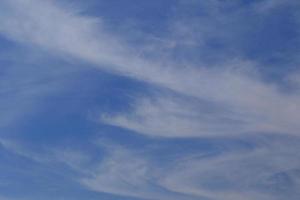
<point x="149" y="100"/>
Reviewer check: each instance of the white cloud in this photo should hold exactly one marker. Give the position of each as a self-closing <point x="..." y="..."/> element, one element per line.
<point x="265" y="173"/>
<point x="122" y="173"/>
<point x="233" y="85"/>
<point x="170" y="117"/>
<point x="270" y="171"/>
<point x="269" y="5"/>
<point x="210" y="101"/>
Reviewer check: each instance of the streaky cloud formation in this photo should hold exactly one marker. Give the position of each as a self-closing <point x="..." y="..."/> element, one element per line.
<point x="230" y="175"/>
<point x="233" y="174"/>
<point x="215" y="116"/>
<point x="243" y="93"/>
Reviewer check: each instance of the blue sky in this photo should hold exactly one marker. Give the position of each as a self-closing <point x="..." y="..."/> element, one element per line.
<point x="149" y="100"/>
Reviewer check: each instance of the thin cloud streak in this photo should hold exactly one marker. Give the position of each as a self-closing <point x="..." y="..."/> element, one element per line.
<point x="270" y="170"/>
<point x="230" y="175"/>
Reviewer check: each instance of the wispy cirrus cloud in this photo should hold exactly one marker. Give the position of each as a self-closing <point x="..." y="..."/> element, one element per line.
<point x="135" y="177"/>
<point x="171" y="117"/>
<point x="227" y="98"/>
<point x="236" y="176"/>
<point x="267" y="169"/>
<point x="229" y="175"/>
<point x="244" y="93"/>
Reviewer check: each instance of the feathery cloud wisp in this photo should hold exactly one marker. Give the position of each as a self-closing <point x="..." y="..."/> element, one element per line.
<point x="246" y="96"/>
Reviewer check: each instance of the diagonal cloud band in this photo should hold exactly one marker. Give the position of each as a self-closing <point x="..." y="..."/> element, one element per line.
<point x="234" y="85"/>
